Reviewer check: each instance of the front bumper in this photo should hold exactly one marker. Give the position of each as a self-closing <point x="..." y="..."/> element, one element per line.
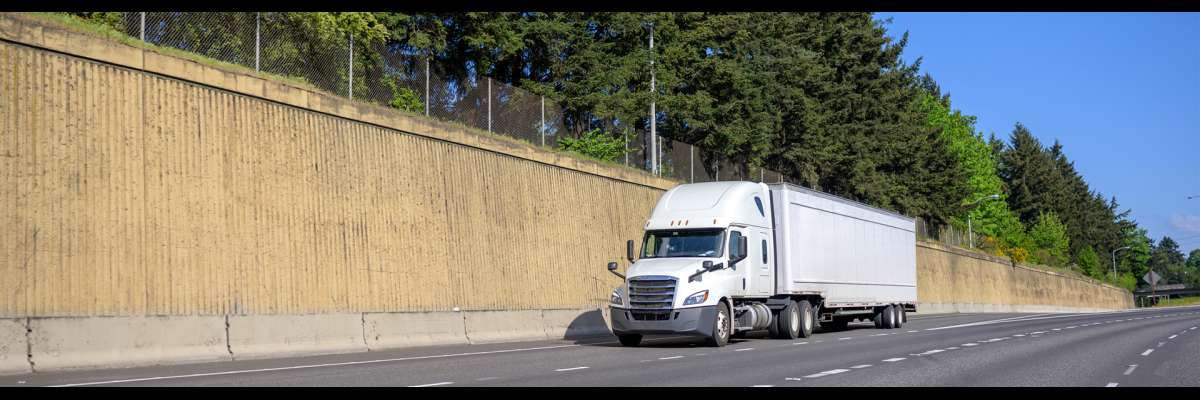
<point x="697" y="321"/>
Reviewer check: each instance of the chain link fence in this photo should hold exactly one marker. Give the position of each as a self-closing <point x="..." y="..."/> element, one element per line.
<point x="286" y="44"/>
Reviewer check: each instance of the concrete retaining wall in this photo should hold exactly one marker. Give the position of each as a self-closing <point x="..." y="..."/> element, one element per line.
<point x="64" y="343"/>
<point x="14" y="345"/>
<point x="73" y="342"/>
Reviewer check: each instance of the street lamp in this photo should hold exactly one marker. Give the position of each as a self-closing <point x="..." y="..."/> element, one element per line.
<point x="1115" y="261"/>
<point x="971" y="236"/>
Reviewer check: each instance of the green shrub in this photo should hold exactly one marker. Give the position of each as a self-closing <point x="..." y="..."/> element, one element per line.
<point x="602" y="145"/>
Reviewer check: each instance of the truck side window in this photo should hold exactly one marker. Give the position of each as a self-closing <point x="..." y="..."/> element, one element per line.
<point x="764" y="253"/>
<point x="733" y="239"/>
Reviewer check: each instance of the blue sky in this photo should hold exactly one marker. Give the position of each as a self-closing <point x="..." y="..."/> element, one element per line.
<point x="1121" y="92"/>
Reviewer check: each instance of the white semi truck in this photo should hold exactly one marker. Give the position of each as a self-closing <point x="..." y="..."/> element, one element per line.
<point x="720" y="259"/>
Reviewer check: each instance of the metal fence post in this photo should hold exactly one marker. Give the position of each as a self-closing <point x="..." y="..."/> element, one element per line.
<point x="544" y="122"/>
<point x="143" y="26"/>
<point x="257" y="40"/>
<point x="489" y="103"/>
<point x="351" y="65"/>
<point x="426" y="87"/>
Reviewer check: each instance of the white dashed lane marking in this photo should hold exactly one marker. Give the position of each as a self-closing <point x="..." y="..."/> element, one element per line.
<point x="433" y="384"/>
<point x="486" y="379"/>
<point x="745" y="349"/>
<point x="860" y="366"/>
<point x="1173" y="336"/>
<point x="1148" y="352"/>
<point x="570" y="369"/>
<point x="1114" y="384"/>
<point x="1131" y="368"/>
<point x="672" y="358"/>
<point x="894" y="359"/>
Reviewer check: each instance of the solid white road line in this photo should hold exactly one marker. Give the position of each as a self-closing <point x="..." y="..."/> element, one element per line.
<point x="894" y="359"/>
<point x="342" y="363"/>
<point x="1131" y="368"/>
<point x="1148" y="352"/>
<point x="433" y="384"/>
<point x="570" y="369"/>
<point x="1114" y="384"/>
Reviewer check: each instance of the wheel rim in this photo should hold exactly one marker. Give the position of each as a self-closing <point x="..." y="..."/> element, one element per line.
<point x="722" y="319"/>
<point x="795" y="320"/>
<point x="808" y="320"/>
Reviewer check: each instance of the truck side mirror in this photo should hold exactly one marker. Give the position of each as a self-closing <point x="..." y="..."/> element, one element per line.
<point x="708" y="266"/>
<point x="612" y="267"/>
<point x="629" y="251"/>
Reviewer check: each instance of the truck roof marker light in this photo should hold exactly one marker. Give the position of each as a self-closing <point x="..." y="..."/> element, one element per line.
<point x="647" y="224"/>
<point x="672" y="223"/>
<point x="686" y="222"/>
<point x="714" y="222"/>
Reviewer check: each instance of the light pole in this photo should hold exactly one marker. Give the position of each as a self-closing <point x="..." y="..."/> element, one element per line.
<point x="1115" y="261"/>
<point x="971" y="236"/>
<point x="1192" y="197"/>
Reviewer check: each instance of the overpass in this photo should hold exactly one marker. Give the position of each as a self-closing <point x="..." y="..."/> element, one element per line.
<point x="1168" y="290"/>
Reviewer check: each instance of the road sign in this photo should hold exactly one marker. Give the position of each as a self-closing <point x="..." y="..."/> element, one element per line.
<point x="1151" y="277"/>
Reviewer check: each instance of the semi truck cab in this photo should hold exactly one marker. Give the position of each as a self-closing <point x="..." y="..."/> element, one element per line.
<point x="704" y="245"/>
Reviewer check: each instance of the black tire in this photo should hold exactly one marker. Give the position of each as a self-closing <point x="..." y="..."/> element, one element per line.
<point x="739" y="335"/>
<point x="878" y="320"/>
<point x="807" y="318"/>
<point x="722" y="327"/>
<point x="899" y="316"/>
<point x="889" y="317"/>
<point x="630" y="340"/>
<point x="790" y="321"/>
<point x="773" y="326"/>
<point x="904" y="315"/>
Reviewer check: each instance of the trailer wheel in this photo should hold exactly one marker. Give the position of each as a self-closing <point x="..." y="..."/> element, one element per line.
<point x="808" y="318"/>
<point x="878" y="319"/>
<point x="889" y="317"/>
<point x="899" y="319"/>
<point x="721" y="327"/>
<point x="790" y="321"/>
<point x="904" y="314"/>
<point x="630" y="340"/>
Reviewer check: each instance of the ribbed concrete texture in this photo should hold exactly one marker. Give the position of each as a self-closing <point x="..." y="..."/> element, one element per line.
<point x="14" y="356"/>
<point x="256" y="336"/>
<point x="505" y="326"/>
<point x="133" y="193"/>
<point x="59" y="343"/>
<point x="956" y="308"/>
<point x="414" y="329"/>
<point x="947" y="274"/>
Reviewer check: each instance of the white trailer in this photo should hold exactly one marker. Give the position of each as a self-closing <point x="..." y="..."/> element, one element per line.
<point x="720" y="259"/>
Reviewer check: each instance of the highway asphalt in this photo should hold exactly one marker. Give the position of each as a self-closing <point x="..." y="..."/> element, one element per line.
<point x="1148" y="347"/>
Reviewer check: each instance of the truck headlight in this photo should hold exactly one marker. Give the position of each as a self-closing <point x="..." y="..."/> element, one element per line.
<point x="696" y="298"/>
<point x="616" y="298"/>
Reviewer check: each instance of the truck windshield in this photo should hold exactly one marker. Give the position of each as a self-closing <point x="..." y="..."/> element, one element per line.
<point x="689" y="243"/>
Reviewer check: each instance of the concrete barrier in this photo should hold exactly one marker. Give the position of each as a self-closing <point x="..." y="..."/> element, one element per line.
<point x="504" y="326"/>
<point x="412" y="329"/>
<point x="570" y="324"/>
<point x="14" y="347"/>
<point x="956" y="308"/>
<point x="73" y="343"/>
<point x="257" y="336"/>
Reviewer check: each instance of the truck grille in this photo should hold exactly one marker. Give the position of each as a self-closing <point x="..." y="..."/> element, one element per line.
<point x="652" y="293"/>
